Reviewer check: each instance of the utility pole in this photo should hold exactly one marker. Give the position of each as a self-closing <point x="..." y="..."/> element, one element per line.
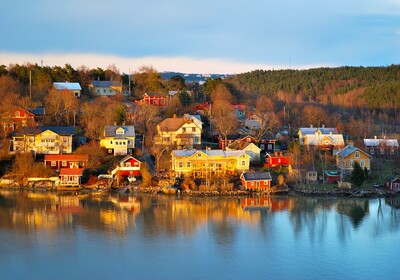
<point x="30" y="84"/>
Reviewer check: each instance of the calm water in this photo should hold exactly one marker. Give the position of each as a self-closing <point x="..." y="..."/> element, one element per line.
<point x="50" y="236"/>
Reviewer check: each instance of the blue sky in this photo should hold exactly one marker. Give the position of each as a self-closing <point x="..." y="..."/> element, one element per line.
<point x="206" y="36"/>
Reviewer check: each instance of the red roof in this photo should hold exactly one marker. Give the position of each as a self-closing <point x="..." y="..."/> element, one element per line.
<point x="71" y="171"/>
<point x="68" y="157"/>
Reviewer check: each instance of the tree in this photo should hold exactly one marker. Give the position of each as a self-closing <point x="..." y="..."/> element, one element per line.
<point x="176" y="82"/>
<point x="266" y="117"/>
<point x="147" y="79"/>
<point x="224" y="118"/>
<point x="357" y="175"/>
<point x="221" y="92"/>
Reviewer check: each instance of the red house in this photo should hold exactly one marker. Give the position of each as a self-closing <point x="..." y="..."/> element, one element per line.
<point x="276" y="159"/>
<point x="155" y="99"/>
<point x="16" y="118"/>
<point x="66" y="161"/>
<point x="127" y="167"/>
<point x="256" y="181"/>
<point x="71" y="177"/>
<point x="392" y="183"/>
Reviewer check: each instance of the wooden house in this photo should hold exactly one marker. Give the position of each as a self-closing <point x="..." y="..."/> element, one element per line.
<point x="155" y="99"/>
<point x="256" y="181"/>
<point x="382" y="147"/>
<point x="66" y="161"/>
<point x="179" y="132"/>
<point x="105" y="88"/>
<point x="346" y="157"/>
<point x="129" y="166"/>
<point x="206" y="163"/>
<point x="74" y="88"/>
<point x="15" y="118"/>
<point x="392" y="183"/>
<point x="71" y="177"/>
<point x="43" y="139"/>
<point x="322" y="137"/>
<point x="275" y="159"/>
<point x="118" y="139"/>
<point x="250" y="148"/>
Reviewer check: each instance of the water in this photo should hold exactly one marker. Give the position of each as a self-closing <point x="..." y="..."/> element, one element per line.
<point x="50" y="236"/>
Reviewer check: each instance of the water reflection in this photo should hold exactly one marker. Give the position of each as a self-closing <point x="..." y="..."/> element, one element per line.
<point x="168" y="215"/>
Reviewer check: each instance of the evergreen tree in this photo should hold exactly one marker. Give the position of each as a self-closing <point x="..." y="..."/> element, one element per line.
<point x="357" y="175"/>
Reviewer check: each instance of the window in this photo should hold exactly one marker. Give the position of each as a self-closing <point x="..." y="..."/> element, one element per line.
<point x="362" y="163"/>
<point x="188" y="164"/>
<point x="64" y="163"/>
<point x="53" y="163"/>
<point x="193" y="129"/>
<point x="357" y="154"/>
<point x="199" y="155"/>
<point x="128" y="164"/>
<point x="111" y="142"/>
<point x="98" y="91"/>
<point x="180" y="164"/>
<point x="104" y="90"/>
<point x="184" y="129"/>
<point x="252" y="183"/>
<point x="17" y="114"/>
<point x="352" y="163"/>
<point x="243" y="163"/>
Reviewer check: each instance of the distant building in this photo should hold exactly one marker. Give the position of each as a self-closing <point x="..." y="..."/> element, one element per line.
<point x="75" y="88"/>
<point x="382" y="147"/>
<point x="155" y="99"/>
<point x="322" y="137"/>
<point x="105" y="88"/>
<point x="15" y="118"/>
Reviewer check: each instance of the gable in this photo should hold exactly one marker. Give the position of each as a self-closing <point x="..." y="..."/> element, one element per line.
<point x="48" y="133"/>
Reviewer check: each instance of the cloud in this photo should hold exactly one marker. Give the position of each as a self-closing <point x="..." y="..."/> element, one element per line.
<point x="132" y="64"/>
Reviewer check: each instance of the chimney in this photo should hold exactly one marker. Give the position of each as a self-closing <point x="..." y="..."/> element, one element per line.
<point x="375" y="137"/>
<point x="174" y="116"/>
<point x="311" y="126"/>
<point x="323" y="126"/>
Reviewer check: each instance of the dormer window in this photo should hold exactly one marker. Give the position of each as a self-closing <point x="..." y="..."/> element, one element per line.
<point x="120" y="131"/>
<point x="357" y="154"/>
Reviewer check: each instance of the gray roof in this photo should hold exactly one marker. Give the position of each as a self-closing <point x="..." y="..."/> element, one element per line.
<point x="349" y="149"/>
<point x="312" y="130"/>
<point x="105" y="83"/>
<point x="256" y="176"/>
<point x="33" y="130"/>
<point x="377" y="142"/>
<point x="110" y="130"/>
<point x="67" y="86"/>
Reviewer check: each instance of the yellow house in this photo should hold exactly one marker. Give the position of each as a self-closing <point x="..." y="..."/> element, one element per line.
<point x="203" y="163"/>
<point x="347" y="156"/>
<point x="183" y="132"/>
<point x="118" y="140"/>
<point x="105" y="88"/>
<point x="44" y="139"/>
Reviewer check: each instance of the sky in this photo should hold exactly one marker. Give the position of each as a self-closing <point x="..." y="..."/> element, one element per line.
<point x="203" y="36"/>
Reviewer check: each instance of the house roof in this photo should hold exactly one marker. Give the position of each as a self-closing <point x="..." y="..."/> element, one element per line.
<point x="173" y="124"/>
<point x="211" y="153"/>
<point x="67" y="157"/>
<point x="128" y="157"/>
<point x="71" y="171"/>
<point x="257" y="176"/>
<point x="67" y="86"/>
<point x="236" y="145"/>
<point x="105" y="83"/>
<point x="37" y="111"/>
<point x="111" y="130"/>
<point x="377" y="142"/>
<point x="155" y="94"/>
<point x="33" y="130"/>
<point x="349" y="149"/>
<point x="313" y="130"/>
<point x="317" y="139"/>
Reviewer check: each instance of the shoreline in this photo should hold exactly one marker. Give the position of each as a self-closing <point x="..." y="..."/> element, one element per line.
<point x="306" y="192"/>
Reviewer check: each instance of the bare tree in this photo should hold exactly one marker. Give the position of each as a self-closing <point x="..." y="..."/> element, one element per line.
<point x="224" y="118"/>
<point x="266" y="117"/>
